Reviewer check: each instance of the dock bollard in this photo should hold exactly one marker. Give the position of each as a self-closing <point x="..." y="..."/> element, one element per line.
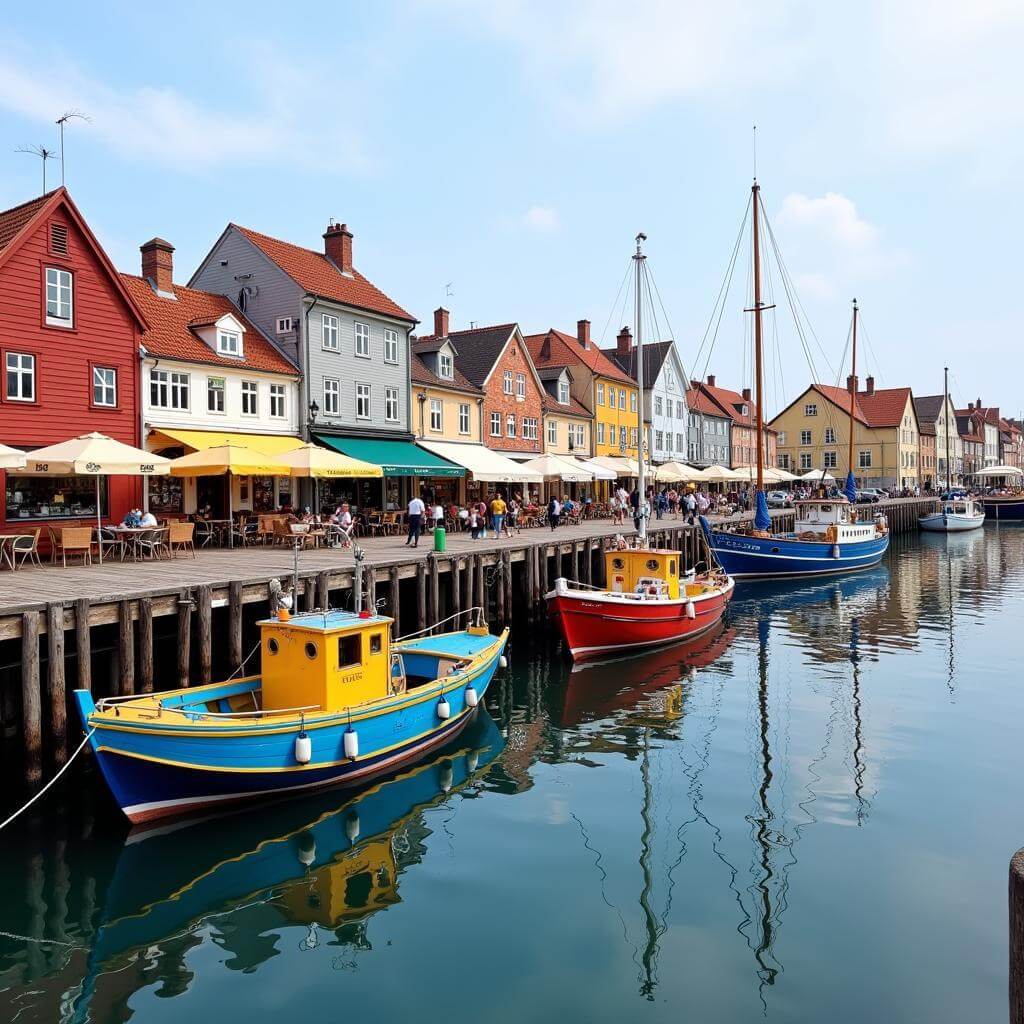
<point x="1016" y="944"/>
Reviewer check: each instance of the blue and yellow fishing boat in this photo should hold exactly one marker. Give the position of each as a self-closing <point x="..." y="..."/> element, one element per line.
<point x="336" y="703"/>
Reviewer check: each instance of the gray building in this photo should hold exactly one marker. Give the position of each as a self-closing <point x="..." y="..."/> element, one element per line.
<point x="709" y="432"/>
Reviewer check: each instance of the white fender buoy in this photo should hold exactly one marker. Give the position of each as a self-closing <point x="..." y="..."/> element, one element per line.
<point x="307" y="850"/>
<point x="303" y="748"/>
<point x="472" y="760"/>
<point x="835" y="550"/>
<point x="444" y="709"/>
<point x="503" y="662"/>
<point x="472" y="698"/>
<point x="447" y="776"/>
<point x="351" y="743"/>
<point x="352" y="827"/>
<point x="691" y="610"/>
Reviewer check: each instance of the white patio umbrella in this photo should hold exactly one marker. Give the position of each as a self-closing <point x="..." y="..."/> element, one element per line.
<point x="95" y="455"/>
<point x="675" y="473"/>
<point x="11" y="458"/>
<point x="818" y="476"/>
<point x="716" y="474"/>
<point x="555" y="467"/>
<point x="994" y="471"/>
<point x="749" y="474"/>
<point x="784" y="475"/>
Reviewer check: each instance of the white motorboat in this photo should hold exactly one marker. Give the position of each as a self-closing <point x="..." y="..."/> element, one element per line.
<point x="954" y="516"/>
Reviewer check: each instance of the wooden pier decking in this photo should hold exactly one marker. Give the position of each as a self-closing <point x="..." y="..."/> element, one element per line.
<point x="52" y="601"/>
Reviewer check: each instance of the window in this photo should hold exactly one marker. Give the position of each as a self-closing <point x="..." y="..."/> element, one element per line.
<point x="622" y="399"/>
<point x="830" y="460"/>
<point x="436" y="415"/>
<point x="330" y="332"/>
<point x="552" y="432"/>
<point x="444" y="366"/>
<point x="390" y="345"/>
<point x="659" y="440"/>
<point x="463" y="419"/>
<point x="600" y="433"/>
<point x="781" y="438"/>
<point x="168" y="390"/>
<point x="805" y="460"/>
<point x="495" y="424"/>
<point x="622" y="438"/>
<point x="632" y="401"/>
<point x="277" y="408"/>
<point x="391" y="405"/>
<point x="632" y="438"/>
<point x="563" y="392"/>
<point x="668" y="441"/>
<point x="362" y="401"/>
<point x="783" y="461"/>
<point x="59" y="298"/>
<point x="830" y="436"/>
<point x="510" y="425"/>
<point x="59" y="239"/>
<point x="670" y="380"/>
<point x="285" y="325"/>
<point x="214" y="394"/>
<point x="104" y="386"/>
<point x="580" y="435"/>
<point x="229" y="343"/>
<point x="680" y="411"/>
<point x="250" y="398"/>
<point x="530" y="428"/>
<point x="600" y="394"/>
<point x="362" y="340"/>
<point x="350" y="650"/>
<point x="680" y="443"/>
<point x="805" y="437"/>
<point x="810" y="409"/>
<point x="520" y="385"/>
<point x="657" y="411"/>
<point x="507" y="382"/>
<point x="21" y="377"/>
<point x="332" y="396"/>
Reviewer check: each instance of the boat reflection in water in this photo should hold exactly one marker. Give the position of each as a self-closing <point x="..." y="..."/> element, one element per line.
<point x="311" y="864"/>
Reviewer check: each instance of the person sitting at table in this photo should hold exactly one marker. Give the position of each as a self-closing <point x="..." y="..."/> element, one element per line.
<point x="148" y="519"/>
<point x="340" y="528"/>
<point x="132" y="519"/>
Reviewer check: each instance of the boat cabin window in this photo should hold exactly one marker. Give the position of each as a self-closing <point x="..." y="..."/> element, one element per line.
<point x="350" y="650"/>
<point x="272" y="646"/>
<point x="311" y="651"/>
<point x="671" y="567"/>
<point x="375" y="643"/>
<point x="653" y="564"/>
<point x="618" y="564"/>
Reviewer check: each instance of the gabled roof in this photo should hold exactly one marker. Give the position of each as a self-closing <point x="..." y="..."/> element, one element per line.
<point x="733" y="403"/>
<point x="929" y="409"/>
<point x="655" y="354"/>
<point x="556" y="348"/>
<point x="881" y="408"/>
<point x="965" y="428"/>
<point x="989" y="414"/>
<point x="173" y="324"/>
<point x="477" y="349"/>
<point x="553" y="372"/>
<point x="697" y="400"/>
<point x="17" y="223"/>
<point x="316" y="274"/>
<point x="422" y="374"/>
<point x="574" y="408"/>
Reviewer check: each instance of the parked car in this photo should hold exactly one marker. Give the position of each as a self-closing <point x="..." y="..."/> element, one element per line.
<point x="779" y="499"/>
<point x="870" y="496"/>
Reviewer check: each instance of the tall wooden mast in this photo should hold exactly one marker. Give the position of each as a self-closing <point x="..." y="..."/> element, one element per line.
<point x="756" y="193"/>
<point x="853" y="384"/>
<point x="638" y="260"/>
<point x="945" y="408"/>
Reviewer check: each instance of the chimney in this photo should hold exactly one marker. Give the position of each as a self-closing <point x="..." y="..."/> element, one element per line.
<point x="583" y="333"/>
<point x="978" y="405"/>
<point x="746" y="394"/>
<point x="158" y="264"/>
<point x="711" y="380"/>
<point x="441" y="322"/>
<point x="852" y="383"/>
<point x="694" y="384"/>
<point x="870" y="385"/>
<point x="338" y="246"/>
<point x="624" y="342"/>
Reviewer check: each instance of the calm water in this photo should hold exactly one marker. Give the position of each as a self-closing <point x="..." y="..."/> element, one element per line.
<point x="807" y="817"/>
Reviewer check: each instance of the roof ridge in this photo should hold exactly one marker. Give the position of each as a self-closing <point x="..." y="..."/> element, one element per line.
<point x="29" y="202"/>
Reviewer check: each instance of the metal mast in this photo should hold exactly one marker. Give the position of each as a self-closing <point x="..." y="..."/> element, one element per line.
<point x="945" y="406"/>
<point x="638" y="259"/>
<point x="853" y="381"/>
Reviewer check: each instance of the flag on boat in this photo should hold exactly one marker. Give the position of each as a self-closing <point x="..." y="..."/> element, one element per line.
<point x="851" y="488"/>
<point x="762" y="521"/>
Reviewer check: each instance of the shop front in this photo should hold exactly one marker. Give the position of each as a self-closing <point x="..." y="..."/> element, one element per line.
<point x="488" y="472"/>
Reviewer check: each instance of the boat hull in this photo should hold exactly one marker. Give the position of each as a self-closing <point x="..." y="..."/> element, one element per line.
<point x="593" y="625"/>
<point x="939" y="522"/>
<point x="999" y="509"/>
<point x="745" y="557"/>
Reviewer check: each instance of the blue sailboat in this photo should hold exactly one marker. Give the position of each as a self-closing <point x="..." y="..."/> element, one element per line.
<point x="831" y="535"/>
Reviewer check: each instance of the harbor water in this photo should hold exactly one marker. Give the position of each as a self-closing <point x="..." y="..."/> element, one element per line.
<point x="804" y="816"/>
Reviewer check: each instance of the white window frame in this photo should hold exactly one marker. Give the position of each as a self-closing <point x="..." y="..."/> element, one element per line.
<point x="553" y="432"/>
<point x="600" y="433"/>
<point x="175" y="388"/>
<point x="229" y="343"/>
<point x="658" y="407"/>
<point x="864" y="458"/>
<point x="632" y="401"/>
<point x="278" y="401"/>
<point x="806" y="438"/>
<point x="520" y="385"/>
<point x="811" y="409"/>
<point x="102" y="385"/>
<point x="436" y="415"/>
<point x="390" y="345"/>
<point x="250" y="390"/>
<point x="211" y="390"/>
<point x="510" y="425"/>
<point x="391" y="405"/>
<point x="445" y="366"/>
<point x="506" y="385"/>
<point x="285" y="325"/>
<point x="495" y="424"/>
<point x="362" y="336"/>
<point x="464" y="412"/>
<point x="563" y="392"/>
<point x="62" y="283"/>
<point x="363" y="394"/>
<point x="805" y="461"/>
<point x="830" y="436"/>
<point x="600" y="394"/>
<point x="332" y="396"/>
<point x="829" y="460"/>
<point x="330" y="332"/>
<point x="622" y="398"/>
<point x="25" y="369"/>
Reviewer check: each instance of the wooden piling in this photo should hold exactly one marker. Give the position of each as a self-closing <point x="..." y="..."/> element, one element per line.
<point x="453" y="584"/>
<point x="467" y="584"/>
<point x="125" y="649"/>
<point x="323" y="589"/>
<point x="31" y="701"/>
<point x="395" y="598"/>
<point x="588" y="565"/>
<point x="481" y="590"/>
<point x="421" y="596"/>
<point x="500" y="595"/>
<point x="434" y="596"/>
<point x="184" y="638"/>
<point x="204" y="614"/>
<point x="56" y="686"/>
<point x="506" y="558"/>
<point x="83" y="644"/>
<point x="235" y="624"/>
<point x="146" y="645"/>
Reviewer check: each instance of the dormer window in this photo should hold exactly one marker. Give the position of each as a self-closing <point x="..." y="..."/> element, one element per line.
<point x="746" y="410"/>
<point x="444" y="366"/>
<point x="563" y="392"/>
<point x="229" y="343"/>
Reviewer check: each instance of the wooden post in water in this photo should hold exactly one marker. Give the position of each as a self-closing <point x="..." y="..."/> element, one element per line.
<point x="588" y="565"/>
<point x="434" y="602"/>
<point x="235" y="624"/>
<point x="1016" y="924"/>
<point x="395" y="598"/>
<point x="506" y="561"/>
<point x="56" y="686"/>
<point x="184" y="637"/>
<point x="421" y="596"/>
<point x="453" y="581"/>
<point x="323" y="589"/>
<point x="481" y="591"/>
<point x="31" y="709"/>
<point x="83" y="644"/>
<point x="146" y="644"/>
<point x="204" y="611"/>
<point x="125" y="648"/>
<point x="500" y="595"/>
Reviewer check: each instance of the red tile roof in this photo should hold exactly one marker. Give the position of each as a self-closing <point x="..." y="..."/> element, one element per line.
<point x="574" y="408"/>
<point x="697" y="400"/>
<point x="555" y="348"/>
<point x="732" y="402"/>
<point x="14" y="219"/>
<point x="422" y="374"/>
<point x="171" y="323"/>
<point x="315" y="273"/>
<point x="885" y="407"/>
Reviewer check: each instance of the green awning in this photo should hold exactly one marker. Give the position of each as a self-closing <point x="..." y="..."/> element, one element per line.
<point x="396" y="458"/>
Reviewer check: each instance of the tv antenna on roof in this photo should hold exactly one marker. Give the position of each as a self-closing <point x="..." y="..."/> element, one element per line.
<point x="43" y="153"/>
<point x="68" y="115"/>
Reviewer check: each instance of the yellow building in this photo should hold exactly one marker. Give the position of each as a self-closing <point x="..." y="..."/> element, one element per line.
<point x="814" y="433"/>
<point x="610" y="395"/>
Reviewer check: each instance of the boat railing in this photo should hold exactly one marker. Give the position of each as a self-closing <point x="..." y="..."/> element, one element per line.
<point x="191" y="710"/>
<point x="479" y="621"/>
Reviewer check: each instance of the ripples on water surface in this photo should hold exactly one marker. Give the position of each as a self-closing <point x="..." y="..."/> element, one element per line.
<point x="805" y="817"/>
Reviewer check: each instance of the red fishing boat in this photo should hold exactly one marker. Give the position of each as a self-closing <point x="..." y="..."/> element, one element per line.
<point x="646" y="600"/>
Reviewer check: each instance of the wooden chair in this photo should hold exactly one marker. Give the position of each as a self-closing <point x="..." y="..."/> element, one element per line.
<point x="76" y="540"/>
<point x="27" y="549"/>
<point x="281" y="534"/>
<point x="181" y="537"/>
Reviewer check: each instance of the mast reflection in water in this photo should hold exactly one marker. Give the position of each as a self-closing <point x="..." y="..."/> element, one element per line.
<point x="803" y="816"/>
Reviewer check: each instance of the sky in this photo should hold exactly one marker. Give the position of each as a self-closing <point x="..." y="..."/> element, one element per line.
<point x="499" y="158"/>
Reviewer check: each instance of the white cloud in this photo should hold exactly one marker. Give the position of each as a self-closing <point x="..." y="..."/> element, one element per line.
<point x="541" y="218"/>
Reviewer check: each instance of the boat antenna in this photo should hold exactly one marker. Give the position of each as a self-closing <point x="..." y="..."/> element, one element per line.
<point x="638" y="259"/>
<point x="945" y="406"/>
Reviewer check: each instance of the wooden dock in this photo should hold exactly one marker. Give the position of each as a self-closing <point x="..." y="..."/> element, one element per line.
<point x="216" y="598"/>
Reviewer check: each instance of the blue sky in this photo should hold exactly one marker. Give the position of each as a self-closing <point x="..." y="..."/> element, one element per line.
<point x="514" y="149"/>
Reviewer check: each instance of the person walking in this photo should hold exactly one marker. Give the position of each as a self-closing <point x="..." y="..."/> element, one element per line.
<point x="554" y="512"/>
<point x="498" y="510"/>
<point x="415" y="516"/>
<point x="691" y="507"/>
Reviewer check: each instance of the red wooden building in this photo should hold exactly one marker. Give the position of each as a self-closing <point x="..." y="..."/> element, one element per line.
<point x="69" y="346"/>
